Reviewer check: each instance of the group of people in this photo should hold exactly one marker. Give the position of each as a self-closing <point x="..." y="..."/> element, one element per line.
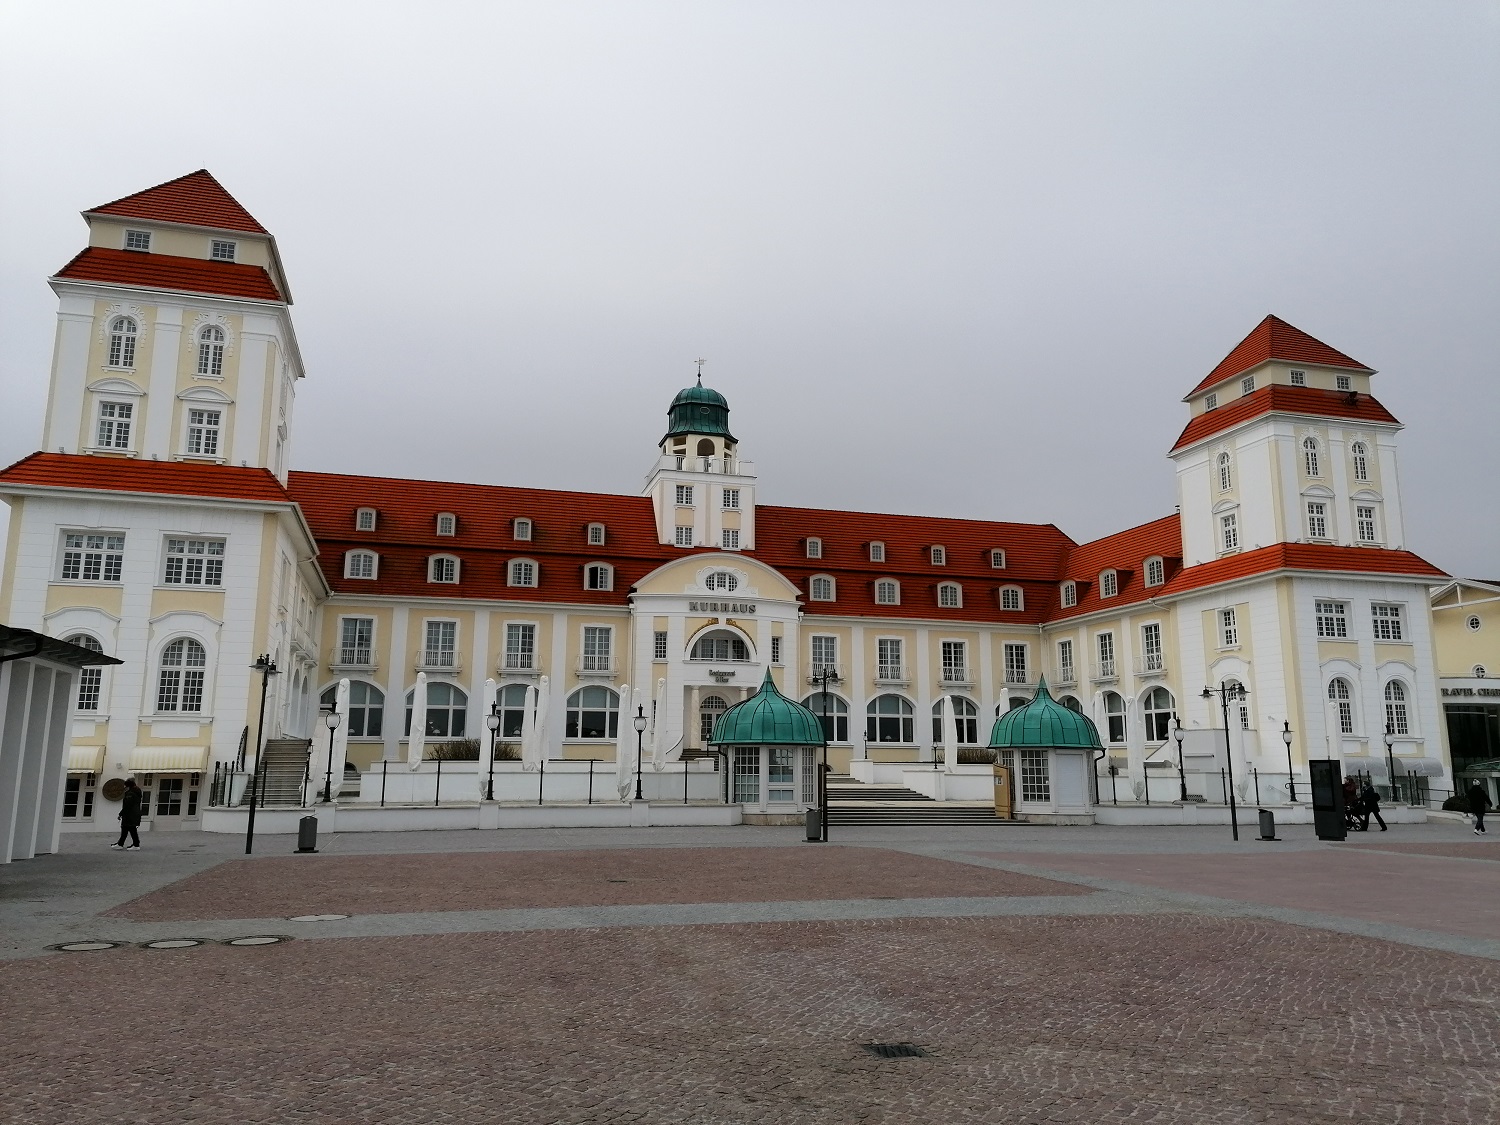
<point x="1360" y="804"/>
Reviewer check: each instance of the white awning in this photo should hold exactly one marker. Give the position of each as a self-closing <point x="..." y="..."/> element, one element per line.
<point x="168" y="759"/>
<point x="85" y="759"/>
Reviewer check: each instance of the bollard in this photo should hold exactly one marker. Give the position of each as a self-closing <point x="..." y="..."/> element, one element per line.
<point x="814" y="826"/>
<point x="307" y="834"/>
<point x="1268" y="825"/>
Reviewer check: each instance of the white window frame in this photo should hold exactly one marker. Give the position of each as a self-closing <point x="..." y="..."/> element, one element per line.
<point x="202" y="438"/>
<point x="1299" y="378"/>
<point x="829" y="643"/>
<point x="364" y="519"/>
<point x="887" y="591"/>
<point x="137" y="240"/>
<point x="877" y="551"/>
<point x="1156" y="571"/>
<point x="1398" y="712"/>
<point x="682" y="536"/>
<point x="110" y="417"/>
<point x="346" y="651"/>
<point x="90" y="685"/>
<point x="102" y="552"/>
<point x="182" y="685"/>
<point x="1343" y="382"/>
<point x="1211" y="401"/>
<point x="1366" y="526"/>
<point x="596" y="535"/>
<point x="1317" y="518"/>
<point x="1312" y="458"/>
<point x="222" y="250"/>
<point x="997" y="559"/>
<point x="1069" y="594"/>
<point x="1067" y="671"/>
<point x="439" y="627"/>
<point x="1331" y="618"/>
<point x="813" y="588"/>
<point x="775" y="650"/>
<point x="1359" y="458"/>
<point x="1388" y="620"/>
<point x="1016" y="668"/>
<point x="446" y="525"/>
<point x="887" y="669"/>
<point x="1109" y="584"/>
<point x="1104" y="648"/>
<point x="730" y="499"/>
<point x="659" y="640"/>
<point x="1229" y="628"/>
<point x="351" y="569"/>
<point x="522" y="529"/>
<point x="1247" y="384"/>
<point x="605" y="579"/>
<point x="438" y="572"/>
<point x="1340" y="692"/>
<point x="596" y="661"/>
<point x="1226" y="471"/>
<point x="938" y="555"/>
<point x="209" y="575"/>
<point x="523" y="574"/>
<point x="1012" y="598"/>
<point x="684" y="495"/>
<point x="511" y="655"/>
<point x="729" y="538"/>
<point x="813" y="548"/>
<point x="212" y="343"/>
<point x="950" y="595"/>
<point x="1153" y="656"/>
<point x="124" y="336"/>
<point x="954" y="657"/>
<point x="1229" y="532"/>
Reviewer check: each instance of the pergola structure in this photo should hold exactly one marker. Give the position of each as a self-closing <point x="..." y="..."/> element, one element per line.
<point x="771" y="744"/>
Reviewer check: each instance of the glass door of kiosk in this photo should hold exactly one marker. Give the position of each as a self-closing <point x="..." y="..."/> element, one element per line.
<point x="1327" y="798"/>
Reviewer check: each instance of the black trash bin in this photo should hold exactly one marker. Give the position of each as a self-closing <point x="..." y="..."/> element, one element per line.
<point x="1267" y="825"/>
<point x="307" y="834"/>
<point x="814" y="825"/>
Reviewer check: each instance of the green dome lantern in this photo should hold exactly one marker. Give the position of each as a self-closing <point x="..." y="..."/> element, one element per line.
<point x="698" y="410"/>
<point x="1044" y="723"/>
<point x="768" y="718"/>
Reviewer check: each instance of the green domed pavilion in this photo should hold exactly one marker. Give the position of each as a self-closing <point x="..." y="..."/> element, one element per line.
<point x="771" y="745"/>
<point x="1044" y="723"/>
<point x="1051" y="751"/>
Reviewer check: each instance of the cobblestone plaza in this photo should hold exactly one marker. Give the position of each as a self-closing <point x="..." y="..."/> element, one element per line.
<point x="742" y="975"/>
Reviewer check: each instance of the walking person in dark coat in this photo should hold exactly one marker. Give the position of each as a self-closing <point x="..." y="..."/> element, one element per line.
<point x="1479" y="800"/>
<point x="130" y="817"/>
<point x="1370" y="806"/>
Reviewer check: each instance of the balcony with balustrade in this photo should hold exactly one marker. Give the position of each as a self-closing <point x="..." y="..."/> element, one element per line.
<point x="1065" y="676"/>
<point x="1151" y="664"/>
<point x="956" y="676"/>
<point x="892" y="675"/>
<point x="1102" y="671"/>
<point x="817" y="669"/>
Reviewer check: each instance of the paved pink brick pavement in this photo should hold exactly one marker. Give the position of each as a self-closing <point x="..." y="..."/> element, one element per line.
<point x="284" y="886"/>
<point x="1103" y="1019"/>
<point x="1421" y="891"/>
<point x="1475" y="849"/>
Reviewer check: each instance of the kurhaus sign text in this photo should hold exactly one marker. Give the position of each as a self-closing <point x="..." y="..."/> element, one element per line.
<point x="721" y="607"/>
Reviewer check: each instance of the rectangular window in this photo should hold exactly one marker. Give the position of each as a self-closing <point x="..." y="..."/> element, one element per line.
<point x="888" y="659"/>
<point x="1036" y="780"/>
<point x="359" y="564"/>
<point x="1364" y="522"/>
<point x="775" y="650"/>
<point x="659" y="645"/>
<point x="596" y="648"/>
<point x="685" y="495"/>
<point x="950" y="596"/>
<point x="364" y="519"/>
<point x="955" y="662"/>
<point x="683" y="537"/>
<point x="781" y="775"/>
<point x="877" y="552"/>
<point x="221" y="251"/>
<point x="731" y="498"/>
<point x="815" y="548"/>
<point x="887" y="593"/>
<point x="731" y="536"/>
<point x="1229" y="633"/>
<point x="1109" y="584"/>
<point x="825" y="655"/>
<point x="203" y="432"/>
<point x="92" y="558"/>
<point x="596" y="534"/>
<point x="1151" y="647"/>
<point x="1247" y="384"/>
<point x="1332" y="622"/>
<point x="1229" y="528"/>
<point x="194" y="562"/>
<point x="114" y="424"/>
<point x="1065" y="662"/>
<point x="438" y="647"/>
<point x="138" y="240"/>
<point x="520" y="647"/>
<point x="747" y="775"/>
<point x="1343" y="382"/>
<point x="997" y="559"/>
<point x="1387" y="622"/>
<point x="1156" y="572"/>
<point x="78" y="796"/>
<point x="1106" y="643"/>
<point x="521" y="529"/>
<point x="939" y="556"/>
<point x="356" y="640"/>
<point x="1317" y="520"/>
<point x="1211" y="402"/>
<point x="90" y="681"/>
<point x="1015" y="664"/>
<point x="1069" y="595"/>
<point x="1010" y="598"/>
<point x="1299" y="378"/>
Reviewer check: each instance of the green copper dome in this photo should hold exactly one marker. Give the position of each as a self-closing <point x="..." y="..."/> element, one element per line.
<point x="1044" y="722"/>
<point x="698" y="410"/>
<point x="768" y="718"/>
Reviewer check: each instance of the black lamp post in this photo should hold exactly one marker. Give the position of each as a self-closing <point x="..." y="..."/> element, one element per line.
<point x="639" y="722"/>
<point x="828" y="676"/>
<point x="267" y="668"/>
<point x="1178" y="733"/>
<point x="1390" y="757"/>
<point x="1226" y="693"/>
<point x="492" y="720"/>
<point x="1291" y="778"/>
<point x="333" y="719"/>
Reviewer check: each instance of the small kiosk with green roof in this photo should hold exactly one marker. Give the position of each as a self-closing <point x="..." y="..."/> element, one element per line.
<point x="1049" y="751"/>
<point x="771" y="744"/>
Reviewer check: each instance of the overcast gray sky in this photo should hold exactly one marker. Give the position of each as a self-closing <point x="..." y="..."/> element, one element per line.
<point x="950" y="258"/>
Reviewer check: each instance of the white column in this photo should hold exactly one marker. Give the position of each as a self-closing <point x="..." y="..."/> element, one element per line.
<point x="161" y="392"/>
<point x="395" y="685"/>
<point x="254" y="416"/>
<point x="66" y="426"/>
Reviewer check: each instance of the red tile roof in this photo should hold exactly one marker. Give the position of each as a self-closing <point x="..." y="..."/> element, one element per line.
<point x="196" y="199"/>
<point x="1274" y="338"/>
<point x="1124" y="552"/>
<point x="1280" y="398"/>
<point x="161" y="478"/>
<point x="163" y="271"/>
<point x="1302" y="556"/>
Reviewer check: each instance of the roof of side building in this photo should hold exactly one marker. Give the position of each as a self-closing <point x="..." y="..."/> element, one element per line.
<point x="169" y="272"/>
<point x="196" y="199"/>
<point x="155" y="478"/>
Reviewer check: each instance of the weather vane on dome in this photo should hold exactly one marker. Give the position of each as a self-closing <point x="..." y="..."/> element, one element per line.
<point x="700" y="361"/>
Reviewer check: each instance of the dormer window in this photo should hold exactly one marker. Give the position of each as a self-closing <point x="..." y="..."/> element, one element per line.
<point x="596" y="535"/>
<point x="1109" y="584"/>
<point x="887" y="592"/>
<point x="1299" y="378"/>
<point x="221" y="251"/>
<point x="1343" y="382"/>
<point x="1010" y="597"/>
<point x="1247" y="384"/>
<point x="997" y="559"/>
<point x="1069" y="594"/>
<point x="521" y="572"/>
<point x="364" y="519"/>
<point x="877" y="552"/>
<point x="815" y="548"/>
<point x="138" y="240"/>
<point x="1156" y="571"/>
<point x="447" y="524"/>
<point x="821" y="588"/>
<point x="950" y="595"/>
<point x="360" y="564"/>
<point x="1211" y="402"/>
<point x="521" y="529"/>
<point x="598" y="576"/>
<point x="939" y="556"/>
<point x="442" y="568"/>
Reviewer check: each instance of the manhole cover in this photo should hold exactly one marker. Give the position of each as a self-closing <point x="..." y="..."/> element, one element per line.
<point x="617" y="880"/>
<point x="317" y="917"/>
<point x="260" y="939"/>
<point x="896" y="1050"/>
<point x="84" y="946"/>
<point x="172" y="943"/>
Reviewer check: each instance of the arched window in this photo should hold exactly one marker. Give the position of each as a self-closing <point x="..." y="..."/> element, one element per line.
<point x="1342" y="698"/>
<point x="1237" y="689"/>
<point x="211" y="350"/>
<point x="1156" y="571"/>
<point x="1109" y="584"/>
<point x="1359" y="453"/>
<point x="1114" y="715"/>
<point x="366" y="708"/>
<point x="888" y="718"/>
<point x="705" y="447"/>
<point x="180" y="686"/>
<point x="521" y="572"/>
<point x="593" y="712"/>
<point x="1395" y="708"/>
<point x="598" y="576"/>
<point x="359" y="564"/>
<point x="122" y="336"/>
<point x="722" y="580"/>
<point x="1310" y="456"/>
<point x="832" y="712"/>
<point x="510" y="704"/>
<point x="1072" y="704"/>
<point x="1158" y="710"/>
<point x="950" y="595"/>
<point x="887" y="592"/>
<point x="720" y="646"/>
<point x="965" y="717"/>
<point x="1226" y="473"/>
<point x="447" y="710"/>
<point x="1069" y="594"/>
<point x="821" y="588"/>
<point x="442" y="568"/>
<point x="814" y="548"/>
<point x="90" y="680"/>
<point x="447" y="523"/>
<point x="1010" y="597"/>
<point x="710" y="708"/>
